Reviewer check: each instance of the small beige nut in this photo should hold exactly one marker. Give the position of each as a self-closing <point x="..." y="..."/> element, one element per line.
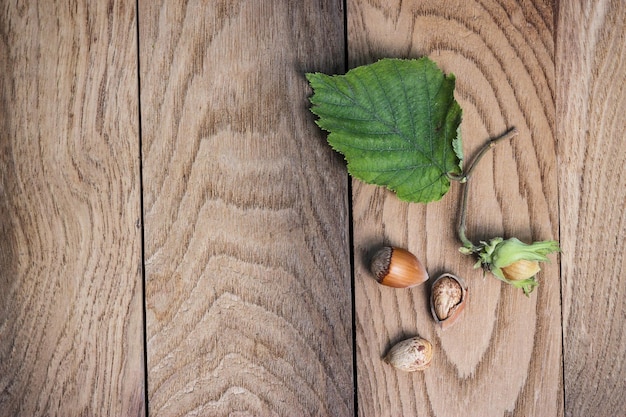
<point x="410" y="355"/>
<point x="448" y="297"/>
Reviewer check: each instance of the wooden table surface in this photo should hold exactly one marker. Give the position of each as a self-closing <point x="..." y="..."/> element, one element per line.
<point x="178" y="239"/>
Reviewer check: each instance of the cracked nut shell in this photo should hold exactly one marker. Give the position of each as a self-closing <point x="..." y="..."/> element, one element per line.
<point x="448" y="296"/>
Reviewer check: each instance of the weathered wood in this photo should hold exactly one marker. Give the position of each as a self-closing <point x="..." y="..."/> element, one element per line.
<point x="71" y="336"/>
<point x="248" y="290"/>
<point x="504" y="356"/>
<point x="246" y="220"/>
<point x="591" y="97"/>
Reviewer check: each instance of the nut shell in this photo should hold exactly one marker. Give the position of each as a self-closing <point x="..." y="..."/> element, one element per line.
<point x="448" y="296"/>
<point x="398" y="268"/>
<point x="410" y="355"/>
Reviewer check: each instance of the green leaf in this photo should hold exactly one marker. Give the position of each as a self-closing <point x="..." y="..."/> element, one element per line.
<point x="457" y="145"/>
<point x="396" y="122"/>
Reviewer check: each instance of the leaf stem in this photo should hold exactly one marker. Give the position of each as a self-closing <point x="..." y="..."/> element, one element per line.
<point x="509" y="134"/>
<point x="464" y="179"/>
<point x="462" y="221"/>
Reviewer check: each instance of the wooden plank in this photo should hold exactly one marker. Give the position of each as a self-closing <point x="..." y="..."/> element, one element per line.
<point x="70" y="253"/>
<point x="504" y="356"/>
<point x="247" y="253"/>
<point x="591" y="68"/>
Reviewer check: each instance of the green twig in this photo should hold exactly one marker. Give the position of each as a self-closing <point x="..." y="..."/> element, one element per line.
<point x="464" y="179"/>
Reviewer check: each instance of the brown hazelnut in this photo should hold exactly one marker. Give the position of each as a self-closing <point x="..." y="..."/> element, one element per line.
<point x="398" y="268"/>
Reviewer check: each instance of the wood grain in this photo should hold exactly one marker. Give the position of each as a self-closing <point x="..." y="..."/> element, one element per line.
<point x="504" y="356"/>
<point x="246" y="211"/>
<point x="247" y="252"/>
<point x="591" y="67"/>
<point x="71" y="337"/>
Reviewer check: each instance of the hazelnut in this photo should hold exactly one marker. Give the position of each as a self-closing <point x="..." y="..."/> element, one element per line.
<point x="410" y="355"/>
<point x="398" y="268"/>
